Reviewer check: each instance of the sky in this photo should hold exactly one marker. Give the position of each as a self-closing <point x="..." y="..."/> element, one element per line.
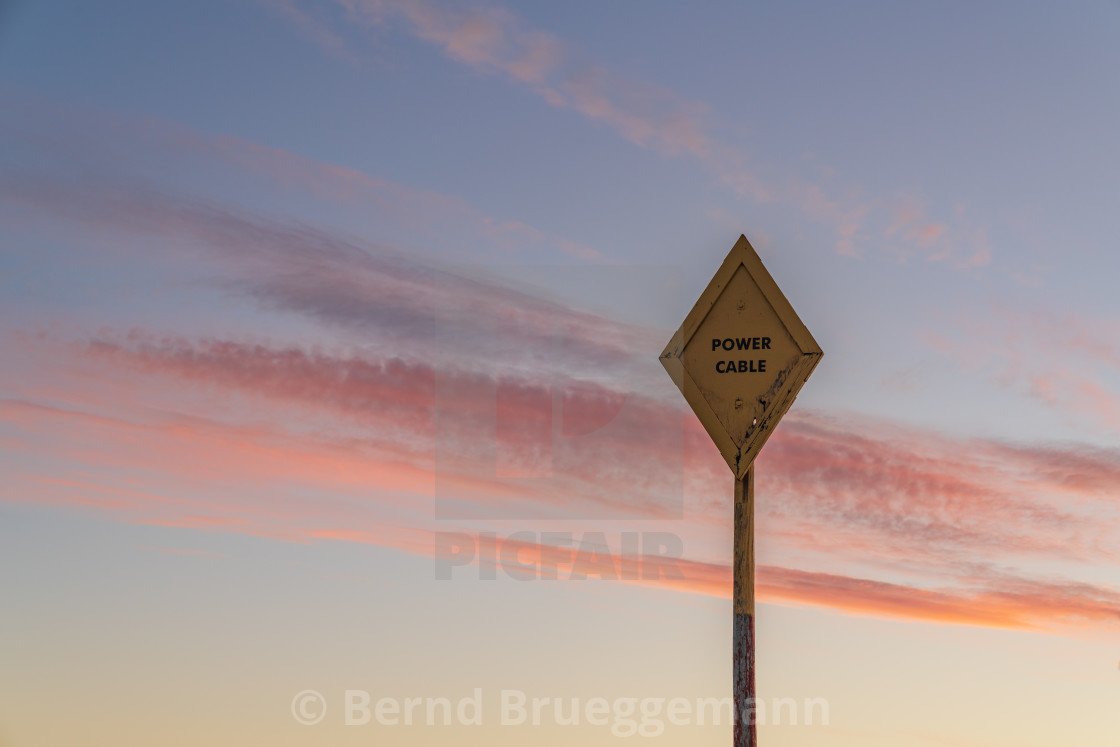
<point x="330" y="389"/>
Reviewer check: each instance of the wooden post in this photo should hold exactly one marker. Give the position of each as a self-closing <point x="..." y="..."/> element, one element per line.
<point x="739" y="402"/>
<point x="746" y="734"/>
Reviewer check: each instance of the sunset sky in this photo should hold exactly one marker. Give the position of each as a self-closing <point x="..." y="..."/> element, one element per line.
<point x="328" y="325"/>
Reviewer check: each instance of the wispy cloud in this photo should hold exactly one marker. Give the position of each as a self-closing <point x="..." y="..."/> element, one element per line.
<point x="864" y="490"/>
<point x="1002" y="603"/>
<point x="341" y="281"/>
<point x="259" y="429"/>
<point x="1063" y="361"/>
<point x="903" y="498"/>
<point x="176" y="447"/>
<point x="99" y="151"/>
<point x="887" y="502"/>
<point x="480" y="418"/>
<point x="494" y="40"/>
<point x="314" y="29"/>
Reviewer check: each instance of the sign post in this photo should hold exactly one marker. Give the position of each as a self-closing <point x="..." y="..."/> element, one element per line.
<point x="740" y="358"/>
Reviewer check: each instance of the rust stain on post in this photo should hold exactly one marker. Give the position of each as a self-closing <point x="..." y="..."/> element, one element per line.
<point x="745" y="733"/>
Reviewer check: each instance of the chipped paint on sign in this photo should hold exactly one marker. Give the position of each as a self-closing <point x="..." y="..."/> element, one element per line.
<point x="741" y="356"/>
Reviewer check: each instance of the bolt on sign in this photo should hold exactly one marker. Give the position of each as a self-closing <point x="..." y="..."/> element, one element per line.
<point x="740" y="358"/>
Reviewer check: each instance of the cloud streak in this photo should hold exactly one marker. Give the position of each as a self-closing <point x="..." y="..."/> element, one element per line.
<point x="855" y="493"/>
<point x="421" y="360"/>
<point x="493" y="40"/>
<point x="1061" y="361"/>
<point x="983" y="598"/>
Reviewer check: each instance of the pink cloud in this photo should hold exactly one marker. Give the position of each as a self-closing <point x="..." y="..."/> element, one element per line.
<point x="898" y="497"/>
<point x="314" y="29"/>
<point x="1062" y="361"/>
<point x="890" y="501"/>
<point x="494" y="40"/>
<point x="79" y="136"/>
<point x="842" y="491"/>
<point x="869" y="488"/>
<point x="1009" y="603"/>
<point x="928" y="233"/>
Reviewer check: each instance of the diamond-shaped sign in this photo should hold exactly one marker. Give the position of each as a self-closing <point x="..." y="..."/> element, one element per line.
<point x="741" y="356"/>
